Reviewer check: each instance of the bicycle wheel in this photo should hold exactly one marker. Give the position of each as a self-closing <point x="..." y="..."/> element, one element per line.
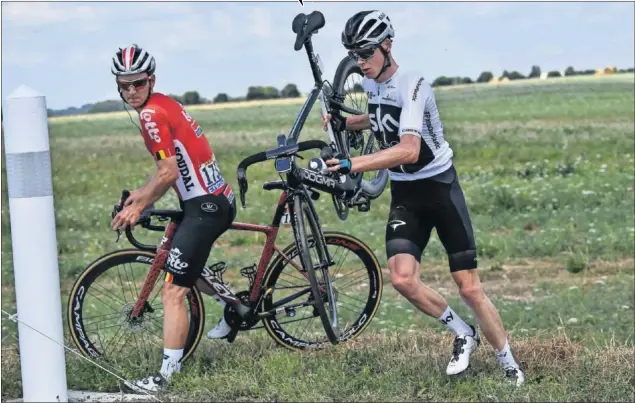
<point x="356" y="280"/>
<point x="348" y="88"/>
<point x="305" y="219"/>
<point x="99" y="308"/>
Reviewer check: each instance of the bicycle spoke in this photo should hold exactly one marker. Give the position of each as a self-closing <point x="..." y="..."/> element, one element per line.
<point x="134" y="283"/>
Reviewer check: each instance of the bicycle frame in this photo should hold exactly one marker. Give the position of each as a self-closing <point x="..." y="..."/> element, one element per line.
<point x="271" y="233"/>
<point x="317" y="92"/>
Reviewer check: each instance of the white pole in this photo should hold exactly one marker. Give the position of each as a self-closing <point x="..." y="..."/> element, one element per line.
<point x="34" y="244"/>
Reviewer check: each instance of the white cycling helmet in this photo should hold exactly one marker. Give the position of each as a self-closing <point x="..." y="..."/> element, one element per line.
<point x="367" y="28"/>
<point x="132" y="60"/>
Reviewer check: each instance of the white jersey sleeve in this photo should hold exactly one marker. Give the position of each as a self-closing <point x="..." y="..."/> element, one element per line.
<point x="415" y="95"/>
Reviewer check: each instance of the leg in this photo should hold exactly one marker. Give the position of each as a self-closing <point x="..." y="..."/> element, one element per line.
<point x="486" y="314"/>
<point x="405" y="242"/>
<point x="456" y="234"/>
<point x="405" y="275"/>
<point x="407" y="234"/>
<point x="191" y="246"/>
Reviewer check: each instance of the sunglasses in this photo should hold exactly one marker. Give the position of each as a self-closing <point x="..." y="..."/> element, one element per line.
<point x="125" y="85"/>
<point x="362" y="54"/>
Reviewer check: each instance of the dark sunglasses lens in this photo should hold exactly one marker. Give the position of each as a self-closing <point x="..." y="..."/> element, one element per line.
<point x="362" y="54"/>
<point x="137" y="83"/>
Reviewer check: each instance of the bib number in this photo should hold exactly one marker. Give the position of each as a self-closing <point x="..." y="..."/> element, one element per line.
<point x="213" y="178"/>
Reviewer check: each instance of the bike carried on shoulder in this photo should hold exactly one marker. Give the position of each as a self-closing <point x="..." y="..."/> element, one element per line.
<point x="335" y="100"/>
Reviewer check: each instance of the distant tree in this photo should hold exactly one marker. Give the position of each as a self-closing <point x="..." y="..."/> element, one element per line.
<point x="466" y="80"/>
<point x="271" y="92"/>
<point x="441" y="81"/>
<point x="220" y="98"/>
<point x="258" y="92"/>
<point x="192" y="98"/>
<point x="535" y="72"/>
<point x="485" y="77"/>
<point x="554" y="73"/>
<point x="570" y="71"/>
<point x="290" y="91"/>
<point x="514" y="75"/>
<point x="254" y="92"/>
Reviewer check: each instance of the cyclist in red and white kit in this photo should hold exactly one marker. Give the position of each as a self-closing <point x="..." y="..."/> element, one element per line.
<point x="186" y="162"/>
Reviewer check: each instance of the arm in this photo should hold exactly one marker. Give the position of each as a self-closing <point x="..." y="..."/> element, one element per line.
<point x="358" y="122"/>
<point x="164" y="177"/>
<point x="158" y="138"/>
<point x="410" y="122"/>
<point x="406" y="152"/>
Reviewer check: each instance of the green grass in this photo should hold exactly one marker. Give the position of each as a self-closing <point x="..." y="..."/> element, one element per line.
<point x="547" y="170"/>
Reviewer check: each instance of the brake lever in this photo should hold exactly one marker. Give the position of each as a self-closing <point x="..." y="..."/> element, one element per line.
<point x="117" y="208"/>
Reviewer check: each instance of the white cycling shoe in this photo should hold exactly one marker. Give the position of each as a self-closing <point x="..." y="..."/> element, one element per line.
<point x="463" y="348"/>
<point x="151" y="384"/>
<point x="514" y="376"/>
<point x="220" y="331"/>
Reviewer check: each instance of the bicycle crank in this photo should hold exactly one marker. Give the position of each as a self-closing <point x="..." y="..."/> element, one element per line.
<point x="237" y="322"/>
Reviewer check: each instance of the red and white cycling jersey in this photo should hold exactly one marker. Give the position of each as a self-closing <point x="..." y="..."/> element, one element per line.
<point x="168" y="130"/>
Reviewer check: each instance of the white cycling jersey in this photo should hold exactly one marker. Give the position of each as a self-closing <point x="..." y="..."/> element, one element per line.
<point x="405" y="104"/>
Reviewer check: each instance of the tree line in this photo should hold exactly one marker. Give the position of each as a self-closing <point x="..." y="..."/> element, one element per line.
<point x="291" y="90"/>
<point x="187" y="98"/>
<point x="535" y="72"/>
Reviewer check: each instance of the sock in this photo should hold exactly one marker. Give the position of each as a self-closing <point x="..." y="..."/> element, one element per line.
<point x="454" y="322"/>
<point x="505" y="357"/>
<point x="171" y="362"/>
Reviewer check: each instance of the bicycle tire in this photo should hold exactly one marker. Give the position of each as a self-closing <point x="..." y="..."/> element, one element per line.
<point x="299" y="201"/>
<point x="82" y="286"/>
<point x="374" y="280"/>
<point x="347" y="67"/>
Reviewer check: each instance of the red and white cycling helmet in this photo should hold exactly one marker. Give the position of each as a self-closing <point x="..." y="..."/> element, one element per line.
<point x="132" y="60"/>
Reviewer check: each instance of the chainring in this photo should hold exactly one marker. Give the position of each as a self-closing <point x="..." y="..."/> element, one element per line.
<point x="234" y="320"/>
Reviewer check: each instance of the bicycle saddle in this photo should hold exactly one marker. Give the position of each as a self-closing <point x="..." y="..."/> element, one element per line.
<point x="306" y="25"/>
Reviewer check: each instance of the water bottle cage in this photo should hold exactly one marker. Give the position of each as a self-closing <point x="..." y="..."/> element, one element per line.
<point x="250" y="273"/>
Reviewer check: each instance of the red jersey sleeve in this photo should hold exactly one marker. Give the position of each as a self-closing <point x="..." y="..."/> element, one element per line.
<point x="157" y="135"/>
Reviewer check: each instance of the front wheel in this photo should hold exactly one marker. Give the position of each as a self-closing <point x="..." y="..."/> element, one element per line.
<point x="100" y="305"/>
<point x="356" y="282"/>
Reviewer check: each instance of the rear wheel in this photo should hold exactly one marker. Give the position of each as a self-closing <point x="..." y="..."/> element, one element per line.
<point x="99" y="309"/>
<point x="347" y="85"/>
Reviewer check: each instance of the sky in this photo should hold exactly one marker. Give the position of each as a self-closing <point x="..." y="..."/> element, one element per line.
<point x="64" y="50"/>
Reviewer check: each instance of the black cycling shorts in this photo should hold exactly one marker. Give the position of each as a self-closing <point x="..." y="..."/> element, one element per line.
<point x="420" y="205"/>
<point x="205" y="218"/>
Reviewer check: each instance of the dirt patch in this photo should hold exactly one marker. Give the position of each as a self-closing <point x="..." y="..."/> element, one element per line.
<point x="515" y="281"/>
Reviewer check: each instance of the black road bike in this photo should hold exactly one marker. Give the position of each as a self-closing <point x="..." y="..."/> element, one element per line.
<point x="344" y="96"/>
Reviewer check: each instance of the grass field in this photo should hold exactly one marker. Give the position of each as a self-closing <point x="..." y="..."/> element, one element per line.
<point x="547" y="170"/>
